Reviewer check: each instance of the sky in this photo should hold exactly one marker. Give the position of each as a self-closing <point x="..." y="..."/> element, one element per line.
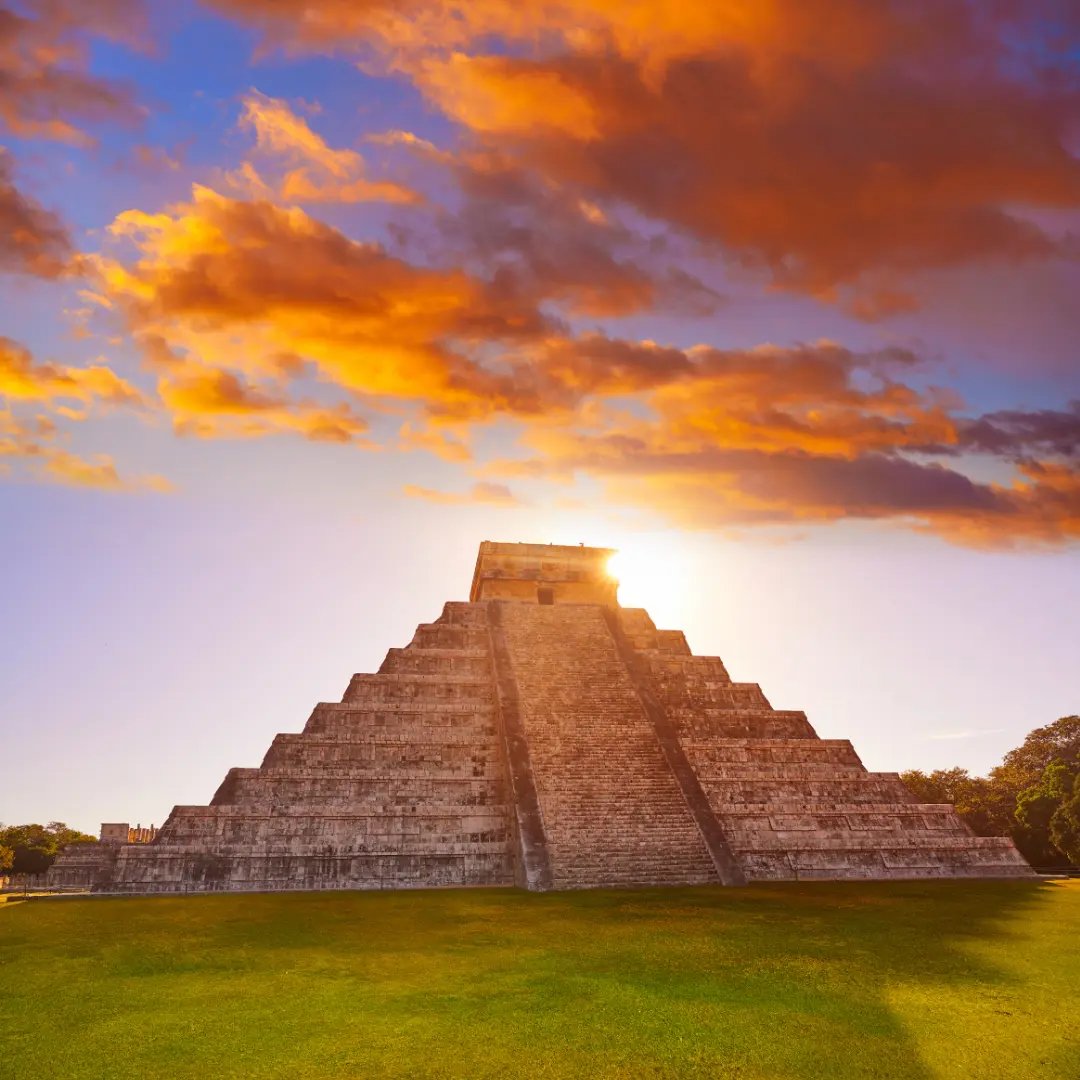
<point x="299" y="303"/>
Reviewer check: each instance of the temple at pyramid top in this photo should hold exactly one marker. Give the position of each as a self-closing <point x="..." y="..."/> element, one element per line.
<point x="543" y="574"/>
<point x="541" y="735"/>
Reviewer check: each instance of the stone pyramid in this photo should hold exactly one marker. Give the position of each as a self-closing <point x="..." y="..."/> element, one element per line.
<point x="541" y="735"/>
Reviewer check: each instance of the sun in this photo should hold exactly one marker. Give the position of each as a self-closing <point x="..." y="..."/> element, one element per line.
<point x="649" y="573"/>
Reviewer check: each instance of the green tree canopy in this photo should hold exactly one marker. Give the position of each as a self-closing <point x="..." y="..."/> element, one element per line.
<point x="1031" y="796"/>
<point x="34" y="847"/>
<point x="982" y="804"/>
<point x="1036" y="807"/>
<point x="1023" y="767"/>
<point x="1065" y="823"/>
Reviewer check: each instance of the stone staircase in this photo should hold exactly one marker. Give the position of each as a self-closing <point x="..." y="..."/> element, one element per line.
<point x="613" y="813"/>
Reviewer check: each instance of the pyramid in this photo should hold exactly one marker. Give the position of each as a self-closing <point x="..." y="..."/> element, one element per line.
<point x="543" y="736"/>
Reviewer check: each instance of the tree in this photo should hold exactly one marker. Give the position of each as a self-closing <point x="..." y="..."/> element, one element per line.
<point x="982" y="804"/>
<point x="1036" y="807"/>
<point x="34" y="847"/>
<point x="1030" y="796"/>
<point x="1023" y="767"/>
<point x="1065" y="823"/>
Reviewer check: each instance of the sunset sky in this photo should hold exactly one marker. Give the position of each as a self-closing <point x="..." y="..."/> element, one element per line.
<point x="300" y="302"/>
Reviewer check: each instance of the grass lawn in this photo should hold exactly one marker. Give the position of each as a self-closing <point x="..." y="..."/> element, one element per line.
<point x="909" y="980"/>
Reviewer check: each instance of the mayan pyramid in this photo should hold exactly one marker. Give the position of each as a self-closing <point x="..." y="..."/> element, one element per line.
<point x="541" y="735"/>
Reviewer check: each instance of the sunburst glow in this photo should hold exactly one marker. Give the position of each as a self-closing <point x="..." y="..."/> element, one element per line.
<point x="650" y="573"/>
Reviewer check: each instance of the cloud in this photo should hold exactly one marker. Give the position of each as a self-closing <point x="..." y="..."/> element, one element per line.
<point x="62" y="467"/>
<point x="814" y="433"/>
<point x="238" y="285"/>
<point x="971" y="733"/>
<point x="544" y="241"/>
<point x="22" y="379"/>
<point x="35" y="395"/>
<point x="435" y="441"/>
<point x="486" y="494"/>
<point x="314" y="171"/>
<point x="33" y="240"/>
<point x="1013" y="433"/>
<point x="842" y="164"/>
<point x="231" y="299"/>
<point x="211" y="403"/>
<point x="31" y="443"/>
<point x="46" y="90"/>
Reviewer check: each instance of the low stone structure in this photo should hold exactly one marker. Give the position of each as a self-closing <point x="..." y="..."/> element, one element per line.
<point x="88" y="865"/>
<point x="544" y="736"/>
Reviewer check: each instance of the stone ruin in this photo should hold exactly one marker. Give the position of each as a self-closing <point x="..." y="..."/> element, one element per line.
<point x="541" y="735"/>
<point x="86" y="865"/>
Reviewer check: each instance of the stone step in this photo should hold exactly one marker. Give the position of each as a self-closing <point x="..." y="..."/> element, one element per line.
<point x="870" y="787"/>
<point x="397" y="764"/>
<point x="409" y="687"/>
<point x="402" y="719"/>
<point x="804" y="839"/>
<point x="301" y="818"/>
<point x="386" y="736"/>
<point x="463" y="613"/>
<point x="712" y="696"/>
<point x="770" y="751"/>
<point x="494" y="842"/>
<point x="892" y="820"/>
<point x="803" y="806"/>
<point x="665" y="667"/>
<point x="722" y="772"/>
<point x="444" y="636"/>
<point x="180" y="869"/>
<point x="696" y="724"/>
<point x="471" y="663"/>
<point x="314" y="830"/>
<point x="945" y="857"/>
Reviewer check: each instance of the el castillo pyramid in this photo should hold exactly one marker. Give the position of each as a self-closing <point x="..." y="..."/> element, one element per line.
<point x="541" y="735"/>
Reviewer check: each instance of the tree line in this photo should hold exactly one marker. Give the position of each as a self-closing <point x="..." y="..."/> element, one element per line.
<point x="1032" y="796"/>
<point x="31" y="849"/>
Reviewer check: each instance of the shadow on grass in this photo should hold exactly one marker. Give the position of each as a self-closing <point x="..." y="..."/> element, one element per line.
<point x="787" y="981"/>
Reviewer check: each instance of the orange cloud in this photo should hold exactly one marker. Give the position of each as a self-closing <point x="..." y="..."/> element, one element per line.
<point x="814" y="433"/>
<point x="46" y="90"/>
<point x="486" y="494"/>
<point x="211" y="403"/>
<point x="62" y="467"/>
<point x="31" y="443"/>
<point x="33" y="240"/>
<point x="439" y="443"/>
<point x="839" y="164"/>
<point x="315" y="171"/>
<point x="238" y="285"/>
<point x="822" y="183"/>
<point x="546" y="242"/>
<point x="21" y="379"/>
<point x="60" y="391"/>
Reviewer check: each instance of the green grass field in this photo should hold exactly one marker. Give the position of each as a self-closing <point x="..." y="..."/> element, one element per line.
<point x="908" y="980"/>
